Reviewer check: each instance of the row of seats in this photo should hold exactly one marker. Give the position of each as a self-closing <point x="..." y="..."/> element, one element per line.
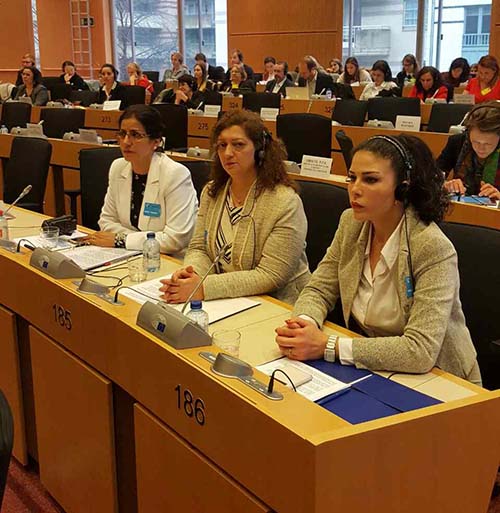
<point x="323" y="204"/>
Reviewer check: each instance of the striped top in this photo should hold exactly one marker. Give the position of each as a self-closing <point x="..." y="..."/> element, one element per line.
<point x="225" y="234"/>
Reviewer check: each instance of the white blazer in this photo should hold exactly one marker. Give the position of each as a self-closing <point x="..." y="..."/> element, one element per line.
<point x="168" y="185"/>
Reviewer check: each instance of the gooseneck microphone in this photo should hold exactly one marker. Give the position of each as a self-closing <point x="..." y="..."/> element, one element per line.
<point x="212" y="265"/>
<point x="26" y="190"/>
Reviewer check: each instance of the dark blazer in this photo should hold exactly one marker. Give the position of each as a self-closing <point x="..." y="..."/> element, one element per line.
<point x="248" y="70"/>
<point x="216" y="73"/>
<point x="449" y="156"/>
<point x="77" y="83"/>
<point x="118" y="93"/>
<point x="282" y="90"/>
<point x="246" y="84"/>
<point x="323" y="82"/>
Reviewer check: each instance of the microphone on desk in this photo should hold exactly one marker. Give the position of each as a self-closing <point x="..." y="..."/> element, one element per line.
<point x="25" y="191"/>
<point x="212" y="265"/>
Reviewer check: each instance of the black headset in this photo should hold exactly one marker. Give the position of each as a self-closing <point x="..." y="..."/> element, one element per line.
<point x="260" y="153"/>
<point x="402" y="189"/>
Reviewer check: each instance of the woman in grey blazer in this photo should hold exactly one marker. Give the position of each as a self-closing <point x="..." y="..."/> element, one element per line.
<point x="32" y="86"/>
<point x="251" y="221"/>
<point x="394" y="270"/>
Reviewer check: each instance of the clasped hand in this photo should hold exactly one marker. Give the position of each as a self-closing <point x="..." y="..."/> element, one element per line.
<point x="301" y="339"/>
<point x="180" y="285"/>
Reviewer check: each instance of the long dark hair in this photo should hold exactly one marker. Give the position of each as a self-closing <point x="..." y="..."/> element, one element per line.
<point x="37" y="76"/>
<point x="426" y="193"/>
<point x="459" y="62"/>
<point x="384" y="67"/>
<point x="270" y="170"/>
<point x="436" y="78"/>
<point x="351" y="78"/>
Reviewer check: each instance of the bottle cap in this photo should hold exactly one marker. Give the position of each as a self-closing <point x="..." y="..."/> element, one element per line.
<point x="151" y="235"/>
<point x="196" y="304"/>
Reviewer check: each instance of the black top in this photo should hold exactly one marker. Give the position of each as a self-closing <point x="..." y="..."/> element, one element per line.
<point x="216" y="73"/>
<point x="282" y="90"/>
<point x="118" y="93"/>
<point x="76" y="81"/>
<point x="137" y="197"/>
<point x="247" y="85"/>
<point x="401" y="77"/>
<point x="323" y="83"/>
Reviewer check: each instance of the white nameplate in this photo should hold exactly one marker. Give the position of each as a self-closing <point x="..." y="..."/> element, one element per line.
<point x="212" y="111"/>
<point x="467" y="99"/>
<point x="269" y="113"/>
<point x="408" y="123"/>
<point x="34" y="129"/>
<point x="89" y="136"/>
<point x="316" y="166"/>
<point x="111" y="105"/>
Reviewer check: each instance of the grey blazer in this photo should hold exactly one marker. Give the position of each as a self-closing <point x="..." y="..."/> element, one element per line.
<point x="39" y="96"/>
<point x="435" y="333"/>
<point x="268" y="248"/>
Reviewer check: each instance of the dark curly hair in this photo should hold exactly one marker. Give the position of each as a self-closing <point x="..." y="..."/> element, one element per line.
<point x="426" y="193"/>
<point x="37" y="76"/>
<point x="270" y="172"/>
<point x="437" y="80"/>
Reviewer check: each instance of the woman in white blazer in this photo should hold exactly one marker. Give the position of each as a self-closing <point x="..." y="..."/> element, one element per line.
<point x="147" y="192"/>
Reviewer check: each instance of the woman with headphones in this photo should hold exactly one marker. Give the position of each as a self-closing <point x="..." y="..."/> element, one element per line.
<point x="474" y="155"/>
<point x="110" y="88"/>
<point x="393" y="269"/>
<point x="251" y="221"/>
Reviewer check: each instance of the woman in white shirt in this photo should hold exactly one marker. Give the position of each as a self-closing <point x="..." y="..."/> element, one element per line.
<point x="393" y="268"/>
<point x="352" y="75"/>
<point x="147" y="191"/>
<point x="382" y="81"/>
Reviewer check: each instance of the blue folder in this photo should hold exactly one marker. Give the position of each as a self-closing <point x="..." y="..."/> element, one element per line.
<point x="373" y="398"/>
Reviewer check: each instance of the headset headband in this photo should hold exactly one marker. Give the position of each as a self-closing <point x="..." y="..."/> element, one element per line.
<point x="407" y="159"/>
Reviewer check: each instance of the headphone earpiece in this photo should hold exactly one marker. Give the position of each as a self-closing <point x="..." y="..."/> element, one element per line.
<point x="402" y="189"/>
<point x="259" y="154"/>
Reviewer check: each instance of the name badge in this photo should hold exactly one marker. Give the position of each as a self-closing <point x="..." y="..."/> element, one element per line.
<point x="152" y="210"/>
<point x="409" y="287"/>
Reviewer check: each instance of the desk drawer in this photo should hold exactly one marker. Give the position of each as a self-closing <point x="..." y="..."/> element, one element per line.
<point x="174" y="477"/>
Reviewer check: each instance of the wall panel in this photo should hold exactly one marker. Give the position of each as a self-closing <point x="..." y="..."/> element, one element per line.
<point x="16" y="36"/>
<point x="495" y="29"/>
<point x="285" y="29"/>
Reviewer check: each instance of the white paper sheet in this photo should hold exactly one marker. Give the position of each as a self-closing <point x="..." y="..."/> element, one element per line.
<point x="216" y="309"/>
<point x="62" y="243"/>
<point x="91" y="257"/>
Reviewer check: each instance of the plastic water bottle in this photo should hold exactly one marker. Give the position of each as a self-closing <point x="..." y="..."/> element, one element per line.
<point x="4" y="130"/>
<point x="328" y="94"/>
<point x="151" y="253"/>
<point x="4" y="227"/>
<point x="198" y="315"/>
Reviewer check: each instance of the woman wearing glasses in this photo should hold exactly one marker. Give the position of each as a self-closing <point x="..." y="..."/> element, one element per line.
<point x="251" y="221"/>
<point x="238" y="80"/>
<point x="147" y="192"/>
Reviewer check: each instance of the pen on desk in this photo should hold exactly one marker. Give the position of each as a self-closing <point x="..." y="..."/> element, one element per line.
<point x="328" y="398"/>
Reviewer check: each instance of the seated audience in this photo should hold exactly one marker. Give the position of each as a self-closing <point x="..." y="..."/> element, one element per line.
<point x="352" y="75"/>
<point x="458" y="75"/>
<point x="473" y="156"/>
<point x="249" y="212"/>
<point x="313" y="77"/>
<point x="393" y="269"/>
<point x="238" y="80"/>
<point x="408" y="75"/>
<point x="280" y="81"/>
<point x="186" y="94"/>
<point x="215" y="73"/>
<point x="236" y="58"/>
<point x="486" y="86"/>
<point x="335" y="66"/>
<point x="28" y="60"/>
<point x="473" y="70"/>
<point x="147" y="192"/>
<point x="110" y="88"/>
<point x="201" y="78"/>
<point x="268" y="75"/>
<point x="429" y="85"/>
<point x="70" y="76"/>
<point x="137" y="78"/>
<point x="32" y="87"/>
<point x="178" y="68"/>
<point x="382" y="81"/>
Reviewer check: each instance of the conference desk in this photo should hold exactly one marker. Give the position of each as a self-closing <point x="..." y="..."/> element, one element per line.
<point x="120" y="421"/>
<point x="65" y="155"/>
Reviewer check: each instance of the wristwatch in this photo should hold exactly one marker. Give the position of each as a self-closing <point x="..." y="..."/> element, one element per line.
<point x="329" y="354"/>
<point x="120" y="240"/>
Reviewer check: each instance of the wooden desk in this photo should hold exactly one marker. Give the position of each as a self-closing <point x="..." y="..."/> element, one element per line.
<point x="115" y="420"/>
